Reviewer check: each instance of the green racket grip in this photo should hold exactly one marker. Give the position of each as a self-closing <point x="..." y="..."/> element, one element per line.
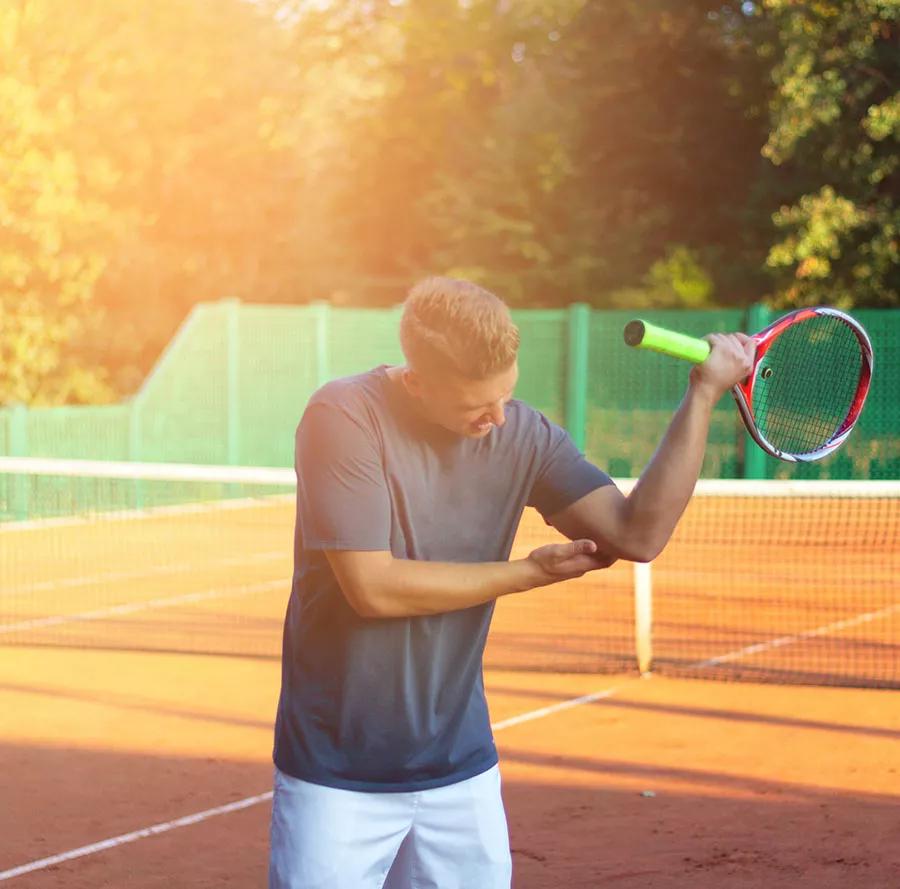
<point x="642" y="335"/>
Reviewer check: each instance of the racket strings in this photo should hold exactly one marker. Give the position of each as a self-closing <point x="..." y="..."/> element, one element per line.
<point x="806" y="384"/>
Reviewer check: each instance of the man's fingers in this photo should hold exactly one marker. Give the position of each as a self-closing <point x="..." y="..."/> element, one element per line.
<point x="570" y="559"/>
<point x="577" y="567"/>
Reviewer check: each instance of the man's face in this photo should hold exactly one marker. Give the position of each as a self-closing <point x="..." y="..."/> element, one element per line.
<point x="467" y="407"/>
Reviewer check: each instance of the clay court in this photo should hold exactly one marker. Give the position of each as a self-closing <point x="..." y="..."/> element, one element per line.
<point x="137" y="703"/>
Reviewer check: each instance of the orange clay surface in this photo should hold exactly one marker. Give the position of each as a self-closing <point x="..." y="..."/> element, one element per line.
<point x="108" y="724"/>
<point x="755" y="786"/>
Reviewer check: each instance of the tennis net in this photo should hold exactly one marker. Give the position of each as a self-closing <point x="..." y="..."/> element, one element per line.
<point x="768" y="581"/>
<point x="144" y="556"/>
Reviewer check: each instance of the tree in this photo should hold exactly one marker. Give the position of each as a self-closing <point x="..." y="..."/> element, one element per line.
<point x="671" y="119"/>
<point x="553" y="150"/>
<point x="53" y="214"/>
<point x="148" y="161"/>
<point x="835" y="124"/>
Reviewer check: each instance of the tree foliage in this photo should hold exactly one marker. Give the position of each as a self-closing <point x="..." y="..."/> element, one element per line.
<point x="556" y="151"/>
<point x="52" y="210"/>
<point x="147" y="163"/>
<point x="154" y="153"/>
<point x="836" y="119"/>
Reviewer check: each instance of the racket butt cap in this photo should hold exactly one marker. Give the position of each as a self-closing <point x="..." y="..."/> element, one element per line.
<point x="634" y="333"/>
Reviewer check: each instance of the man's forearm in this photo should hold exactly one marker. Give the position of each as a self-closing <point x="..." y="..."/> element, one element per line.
<point x="665" y="487"/>
<point x="378" y="585"/>
<point x="638" y="526"/>
<point x="406" y="587"/>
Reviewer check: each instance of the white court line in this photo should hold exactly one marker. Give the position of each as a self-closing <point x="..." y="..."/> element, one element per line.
<point x="124" y="838"/>
<point x="40" y="623"/>
<point x="166" y="826"/>
<point x="553" y="708"/>
<point x="499" y="726"/>
<point x="739" y="653"/>
<point x="147" y="512"/>
<point x="150" y="571"/>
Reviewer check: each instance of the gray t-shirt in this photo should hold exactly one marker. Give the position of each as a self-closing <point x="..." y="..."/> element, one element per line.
<point x="398" y="704"/>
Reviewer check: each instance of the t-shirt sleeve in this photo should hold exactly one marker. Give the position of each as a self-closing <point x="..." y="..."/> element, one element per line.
<point x="564" y="475"/>
<point x="342" y="495"/>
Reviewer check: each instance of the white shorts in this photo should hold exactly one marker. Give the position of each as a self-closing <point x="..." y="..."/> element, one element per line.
<point x="452" y="837"/>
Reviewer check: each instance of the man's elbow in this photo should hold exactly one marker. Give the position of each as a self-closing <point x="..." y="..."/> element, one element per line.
<point x="365" y="603"/>
<point x="378" y="604"/>
<point x="363" y="599"/>
<point x="363" y="579"/>
<point x="640" y="541"/>
<point x="648" y="551"/>
<point x="366" y="608"/>
<point x="630" y="550"/>
<point x="605" y="559"/>
<point x="639" y="550"/>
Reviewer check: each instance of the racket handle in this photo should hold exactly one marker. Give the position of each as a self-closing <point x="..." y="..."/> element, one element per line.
<point x="642" y="335"/>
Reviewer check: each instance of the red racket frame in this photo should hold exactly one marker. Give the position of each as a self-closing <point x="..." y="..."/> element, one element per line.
<point x="743" y="392"/>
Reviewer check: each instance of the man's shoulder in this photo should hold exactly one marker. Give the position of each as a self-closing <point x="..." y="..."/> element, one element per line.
<point x="526" y="417"/>
<point x="349" y="393"/>
<point x="529" y="427"/>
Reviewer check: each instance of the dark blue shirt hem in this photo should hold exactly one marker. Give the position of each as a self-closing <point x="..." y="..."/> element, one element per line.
<point x="390" y="787"/>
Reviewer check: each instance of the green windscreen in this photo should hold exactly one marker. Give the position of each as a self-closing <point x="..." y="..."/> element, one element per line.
<point x="806" y="384"/>
<point x="233" y="383"/>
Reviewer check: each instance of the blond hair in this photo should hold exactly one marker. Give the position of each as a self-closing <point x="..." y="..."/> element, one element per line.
<point x="455" y="326"/>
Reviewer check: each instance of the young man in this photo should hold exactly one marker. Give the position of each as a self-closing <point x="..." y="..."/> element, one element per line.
<point x="411" y="483"/>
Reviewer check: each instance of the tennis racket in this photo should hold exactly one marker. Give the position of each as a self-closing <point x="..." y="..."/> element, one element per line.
<point x="809" y="382"/>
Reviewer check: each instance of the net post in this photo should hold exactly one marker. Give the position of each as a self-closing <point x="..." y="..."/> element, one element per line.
<point x="18" y="447"/>
<point x="579" y="338"/>
<point x="643" y="616"/>
<point x="758" y="317"/>
<point x="322" y="319"/>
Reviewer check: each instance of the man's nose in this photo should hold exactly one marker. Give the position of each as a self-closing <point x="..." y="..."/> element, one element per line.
<point x="498" y="416"/>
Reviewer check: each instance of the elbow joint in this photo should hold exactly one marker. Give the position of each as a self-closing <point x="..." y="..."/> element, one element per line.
<point x="649" y="552"/>
<point x="366" y="609"/>
<point x="364" y="603"/>
<point x="642" y="552"/>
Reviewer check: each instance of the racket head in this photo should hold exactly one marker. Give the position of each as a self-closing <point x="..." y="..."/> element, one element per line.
<point x="810" y="379"/>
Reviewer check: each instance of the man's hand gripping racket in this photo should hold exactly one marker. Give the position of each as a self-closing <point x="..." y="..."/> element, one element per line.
<point x="807" y="383"/>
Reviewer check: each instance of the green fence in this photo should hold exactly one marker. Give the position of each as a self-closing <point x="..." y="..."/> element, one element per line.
<point x="232" y="384"/>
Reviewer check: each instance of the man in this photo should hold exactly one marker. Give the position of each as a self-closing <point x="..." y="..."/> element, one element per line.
<point x="411" y="483"/>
